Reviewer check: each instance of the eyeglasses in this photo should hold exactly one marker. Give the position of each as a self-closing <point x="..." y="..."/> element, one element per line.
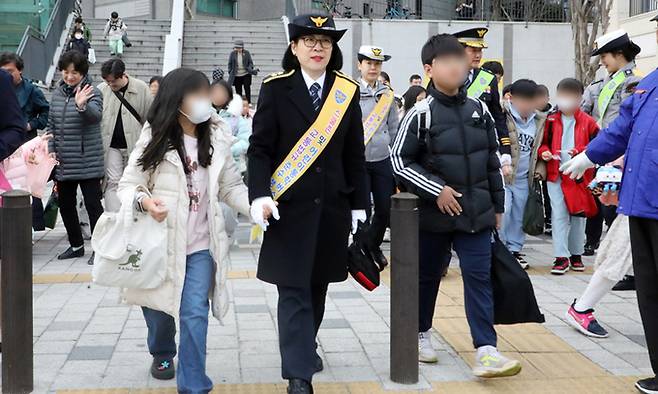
<point x="325" y="43"/>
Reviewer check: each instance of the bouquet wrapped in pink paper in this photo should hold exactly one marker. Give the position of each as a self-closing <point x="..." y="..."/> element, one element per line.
<point x="29" y="167"/>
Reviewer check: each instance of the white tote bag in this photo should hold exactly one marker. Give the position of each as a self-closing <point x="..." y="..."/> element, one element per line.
<point x="131" y="250"/>
<point x="91" y="57"/>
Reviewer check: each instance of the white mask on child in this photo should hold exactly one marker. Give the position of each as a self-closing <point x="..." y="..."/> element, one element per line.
<point x="200" y="112"/>
<point x="78" y="36"/>
<point x="566" y="104"/>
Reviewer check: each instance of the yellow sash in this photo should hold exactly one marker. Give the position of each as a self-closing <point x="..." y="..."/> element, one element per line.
<point x="315" y="139"/>
<point x="377" y="116"/>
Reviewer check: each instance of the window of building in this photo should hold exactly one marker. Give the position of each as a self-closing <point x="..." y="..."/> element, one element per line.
<point x="638" y="7"/>
<point x="225" y="8"/>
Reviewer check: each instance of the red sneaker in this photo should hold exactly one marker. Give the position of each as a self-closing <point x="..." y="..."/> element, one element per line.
<point x="577" y="263"/>
<point x="560" y="266"/>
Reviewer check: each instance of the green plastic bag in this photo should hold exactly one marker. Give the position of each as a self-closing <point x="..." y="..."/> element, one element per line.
<point x="51" y="210"/>
<point x="533" y="214"/>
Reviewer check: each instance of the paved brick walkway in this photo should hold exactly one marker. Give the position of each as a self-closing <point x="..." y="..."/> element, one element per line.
<point x="86" y="342"/>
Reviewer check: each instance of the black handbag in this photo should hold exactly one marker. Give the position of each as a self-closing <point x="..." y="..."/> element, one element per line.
<point x="514" y="296"/>
<point x="533" y="214"/>
<point x="360" y="263"/>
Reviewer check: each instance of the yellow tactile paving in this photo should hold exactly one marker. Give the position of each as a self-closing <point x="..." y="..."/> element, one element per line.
<point x="61" y="278"/>
<point x="591" y="385"/>
<point x="86" y="277"/>
<point x="550" y="365"/>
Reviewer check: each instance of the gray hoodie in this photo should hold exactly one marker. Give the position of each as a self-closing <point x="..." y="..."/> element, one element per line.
<point x="378" y="147"/>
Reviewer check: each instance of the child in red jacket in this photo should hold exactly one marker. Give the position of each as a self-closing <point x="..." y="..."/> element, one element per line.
<point x="568" y="130"/>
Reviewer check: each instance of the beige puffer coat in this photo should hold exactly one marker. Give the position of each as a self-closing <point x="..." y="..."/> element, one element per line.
<point x="169" y="184"/>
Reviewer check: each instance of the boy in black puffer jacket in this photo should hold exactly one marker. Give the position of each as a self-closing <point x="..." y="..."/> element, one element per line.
<point x="446" y="153"/>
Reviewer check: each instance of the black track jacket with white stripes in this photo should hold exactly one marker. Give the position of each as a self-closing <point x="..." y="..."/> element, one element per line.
<point x="460" y="151"/>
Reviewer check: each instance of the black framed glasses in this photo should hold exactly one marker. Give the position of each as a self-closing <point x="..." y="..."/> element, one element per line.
<point x="310" y="42"/>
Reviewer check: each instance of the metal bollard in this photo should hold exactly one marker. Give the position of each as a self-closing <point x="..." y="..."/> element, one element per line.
<point x="404" y="288"/>
<point x="16" y="290"/>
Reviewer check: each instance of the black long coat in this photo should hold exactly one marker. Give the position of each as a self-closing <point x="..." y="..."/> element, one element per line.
<point x="309" y="243"/>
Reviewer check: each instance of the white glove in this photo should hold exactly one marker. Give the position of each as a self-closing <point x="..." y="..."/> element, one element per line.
<point x="358" y="215"/>
<point x="577" y="166"/>
<point x="505" y="159"/>
<point x="257" y="208"/>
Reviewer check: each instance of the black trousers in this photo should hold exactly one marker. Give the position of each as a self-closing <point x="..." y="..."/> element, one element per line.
<point x="300" y="312"/>
<point x="91" y="191"/>
<point x="381" y="183"/>
<point x="644" y="245"/>
<point x="594" y="227"/>
<point x="245" y="81"/>
<point x="38" y="222"/>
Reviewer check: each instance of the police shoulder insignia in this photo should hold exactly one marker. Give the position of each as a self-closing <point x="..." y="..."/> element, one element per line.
<point x="345" y="76"/>
<point x="277" y="75"/>
<point x="628" y="72"/>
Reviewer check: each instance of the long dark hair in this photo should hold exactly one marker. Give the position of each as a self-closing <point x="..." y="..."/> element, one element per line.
<point x="411" y="95"/>
<point x="290" y="61"/>
<point x="167" y="134"/>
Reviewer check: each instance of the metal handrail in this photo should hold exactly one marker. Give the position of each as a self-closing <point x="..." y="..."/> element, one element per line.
<point x="30" y="31"/>
<point x="38" y="49"/>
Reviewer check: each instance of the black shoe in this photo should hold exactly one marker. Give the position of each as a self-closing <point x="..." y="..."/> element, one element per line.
<point x="163" y="369"/>
<point x="589" y="250"/>
<point x="626" y="284"/>
<point x="319" y="365"/>
<point x="649" y="386"/>
<point x="91" y="259"/>
<point x="299" y="386"/>
<point x="71" y="254"/>
<point x="379" y="258"/>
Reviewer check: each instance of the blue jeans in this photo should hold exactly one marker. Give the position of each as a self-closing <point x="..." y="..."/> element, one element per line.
<point x="474" y="251"/>
<point x="568" y="231"/>
<point x="191" y="376"/>
<point x="516" y="196"/>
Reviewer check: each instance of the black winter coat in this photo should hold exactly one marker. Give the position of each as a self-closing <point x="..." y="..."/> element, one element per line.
<point x="77" y="140"/>
<point x="461" y="152"/>
<point x="309" y="243"/>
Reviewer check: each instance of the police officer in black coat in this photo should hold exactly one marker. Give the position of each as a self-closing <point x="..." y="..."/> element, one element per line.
<point x="473" y="41"/>
<point x="305" y="245"/>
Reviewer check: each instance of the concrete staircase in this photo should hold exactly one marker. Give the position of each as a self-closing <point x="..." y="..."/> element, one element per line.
<point x="208" y="43"/>
<point x="144" y="59"/>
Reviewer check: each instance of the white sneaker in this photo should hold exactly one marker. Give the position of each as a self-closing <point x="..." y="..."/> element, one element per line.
<point x="426" y="352"/>
<point x="491" y="364"/>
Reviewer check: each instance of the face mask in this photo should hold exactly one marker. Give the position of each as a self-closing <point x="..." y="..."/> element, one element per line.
<point x="78" y="36"/>
<point x="566" y="104"/>
<point x="200" y="112"/>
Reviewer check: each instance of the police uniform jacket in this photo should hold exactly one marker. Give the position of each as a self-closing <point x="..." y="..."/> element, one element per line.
<point x="309" y="243"/>
<point x="634" y="134"/>
<point x="378" y="147"/>
<point x="492" y="99"/>
<point x="591" y="96"/>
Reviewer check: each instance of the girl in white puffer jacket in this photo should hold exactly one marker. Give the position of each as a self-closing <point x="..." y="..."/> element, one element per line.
<point x="184" y="159"/>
